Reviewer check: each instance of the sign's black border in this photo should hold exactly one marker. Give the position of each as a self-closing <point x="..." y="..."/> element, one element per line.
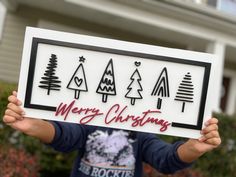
<point x="33" y="57"/>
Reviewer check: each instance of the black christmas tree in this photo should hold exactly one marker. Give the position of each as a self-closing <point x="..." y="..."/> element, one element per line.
<point x="107" y="83"/>
<point x="49" y="80"/>
<point x="185" y="91"/>
<point x="134" y="87"/>
<point x="161" y="88"/>
<point x="78" y="80"/>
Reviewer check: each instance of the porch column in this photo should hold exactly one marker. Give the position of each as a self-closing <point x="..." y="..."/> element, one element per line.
<point x="218" y="48"/>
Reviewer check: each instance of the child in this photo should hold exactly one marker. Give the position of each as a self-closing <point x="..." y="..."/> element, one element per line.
<point x="106" y="152"/>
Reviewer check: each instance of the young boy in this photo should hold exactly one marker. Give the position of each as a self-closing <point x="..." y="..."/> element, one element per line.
<point x="106" y="152"/>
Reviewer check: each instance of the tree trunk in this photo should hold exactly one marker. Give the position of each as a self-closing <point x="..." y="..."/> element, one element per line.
<point x="49" y="89"/>
<point x="77" y="92"/>
<point x="159" y="101"/>
<point x="104" y="98"/>
<point x="132" y="101"/>
<point x="183" y="106"/>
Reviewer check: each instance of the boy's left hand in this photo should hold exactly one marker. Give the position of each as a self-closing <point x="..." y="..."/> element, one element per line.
<point x="209" y="140"/>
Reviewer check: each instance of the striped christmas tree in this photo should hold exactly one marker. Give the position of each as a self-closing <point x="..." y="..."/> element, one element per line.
<point x="185" y="91"/>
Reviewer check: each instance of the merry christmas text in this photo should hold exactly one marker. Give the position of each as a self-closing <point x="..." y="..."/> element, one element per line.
<point x="115" y="114"/>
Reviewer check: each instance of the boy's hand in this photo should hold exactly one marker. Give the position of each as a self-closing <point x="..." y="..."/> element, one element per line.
<point x="209" y="140"/>
<point x="14" y="115"/>
<point x="210" y="137"/>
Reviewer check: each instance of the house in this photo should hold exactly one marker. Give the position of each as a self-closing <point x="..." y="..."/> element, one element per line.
<point x="199" y="25"/>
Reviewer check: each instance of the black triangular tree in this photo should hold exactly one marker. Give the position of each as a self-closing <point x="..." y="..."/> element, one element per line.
<point x="161" y="88"/>
<point x="107" y="83"/>
<point x="78" y="80"/>
<point x="49" y="80"/>
<point x="185" y="91"/>
<point x="134" y="87"/>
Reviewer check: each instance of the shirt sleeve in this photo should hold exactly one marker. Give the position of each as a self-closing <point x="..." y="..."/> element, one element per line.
<point x="68" y="136"/>
<point x="161" y="155"/>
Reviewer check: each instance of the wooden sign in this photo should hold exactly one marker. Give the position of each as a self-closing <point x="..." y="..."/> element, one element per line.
<point x="103" y="82"/>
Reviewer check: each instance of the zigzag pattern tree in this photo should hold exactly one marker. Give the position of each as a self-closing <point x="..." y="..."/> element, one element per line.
<point x="107" y="83"/>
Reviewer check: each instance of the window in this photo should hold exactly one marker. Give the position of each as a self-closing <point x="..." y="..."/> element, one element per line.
<point x="227" y="6"/>
<point x="224" y="93"/>
<point x="228" y="94"/>
<point x="212" y="3"/>
<point x="2" y="17"/>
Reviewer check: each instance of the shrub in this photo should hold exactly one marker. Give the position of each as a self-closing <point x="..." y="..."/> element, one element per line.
<point x="5" y="131"/>
<point x="17" y="163"/>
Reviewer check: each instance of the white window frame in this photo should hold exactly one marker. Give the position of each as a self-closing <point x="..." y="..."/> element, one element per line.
<point x="3" y="11"/>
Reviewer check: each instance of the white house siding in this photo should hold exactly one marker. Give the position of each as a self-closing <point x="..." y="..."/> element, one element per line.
<point x="11" y="46"/>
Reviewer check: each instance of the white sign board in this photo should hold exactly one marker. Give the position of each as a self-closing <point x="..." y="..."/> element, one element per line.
<point x="103" y="82"/>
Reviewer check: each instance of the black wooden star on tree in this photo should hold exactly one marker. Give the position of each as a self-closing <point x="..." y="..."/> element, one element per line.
<point x="82" y="59"/>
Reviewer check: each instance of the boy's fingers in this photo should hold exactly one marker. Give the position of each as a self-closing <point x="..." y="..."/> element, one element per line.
<point x="210" y="128"/>
<point x="15" y="108"/>
<point x="8" y="119"/>
<point x="211" y="121"/>
<point x="212" y="134"/>
<point x="214" y="141"/>
<point x="11" y="113"/>
<point x="13" y="99"/>
<point x="14" y="93"/>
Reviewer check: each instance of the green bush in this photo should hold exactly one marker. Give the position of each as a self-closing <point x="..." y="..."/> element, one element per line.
<point x="5" y="90"/>
<point x="17" y="163"/>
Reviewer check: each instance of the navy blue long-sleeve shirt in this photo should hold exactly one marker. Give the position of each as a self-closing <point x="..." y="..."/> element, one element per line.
<point x="106" y="152"/>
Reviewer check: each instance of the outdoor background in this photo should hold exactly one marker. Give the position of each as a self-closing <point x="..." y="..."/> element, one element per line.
<point x="198" y="25"/>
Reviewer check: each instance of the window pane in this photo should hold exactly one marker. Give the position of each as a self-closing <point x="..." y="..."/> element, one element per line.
<point x="228" y="6"/>
<point x="212" y="3"/>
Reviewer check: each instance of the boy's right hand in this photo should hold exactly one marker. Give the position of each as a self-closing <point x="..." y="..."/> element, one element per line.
<point x="14" y="115"/>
